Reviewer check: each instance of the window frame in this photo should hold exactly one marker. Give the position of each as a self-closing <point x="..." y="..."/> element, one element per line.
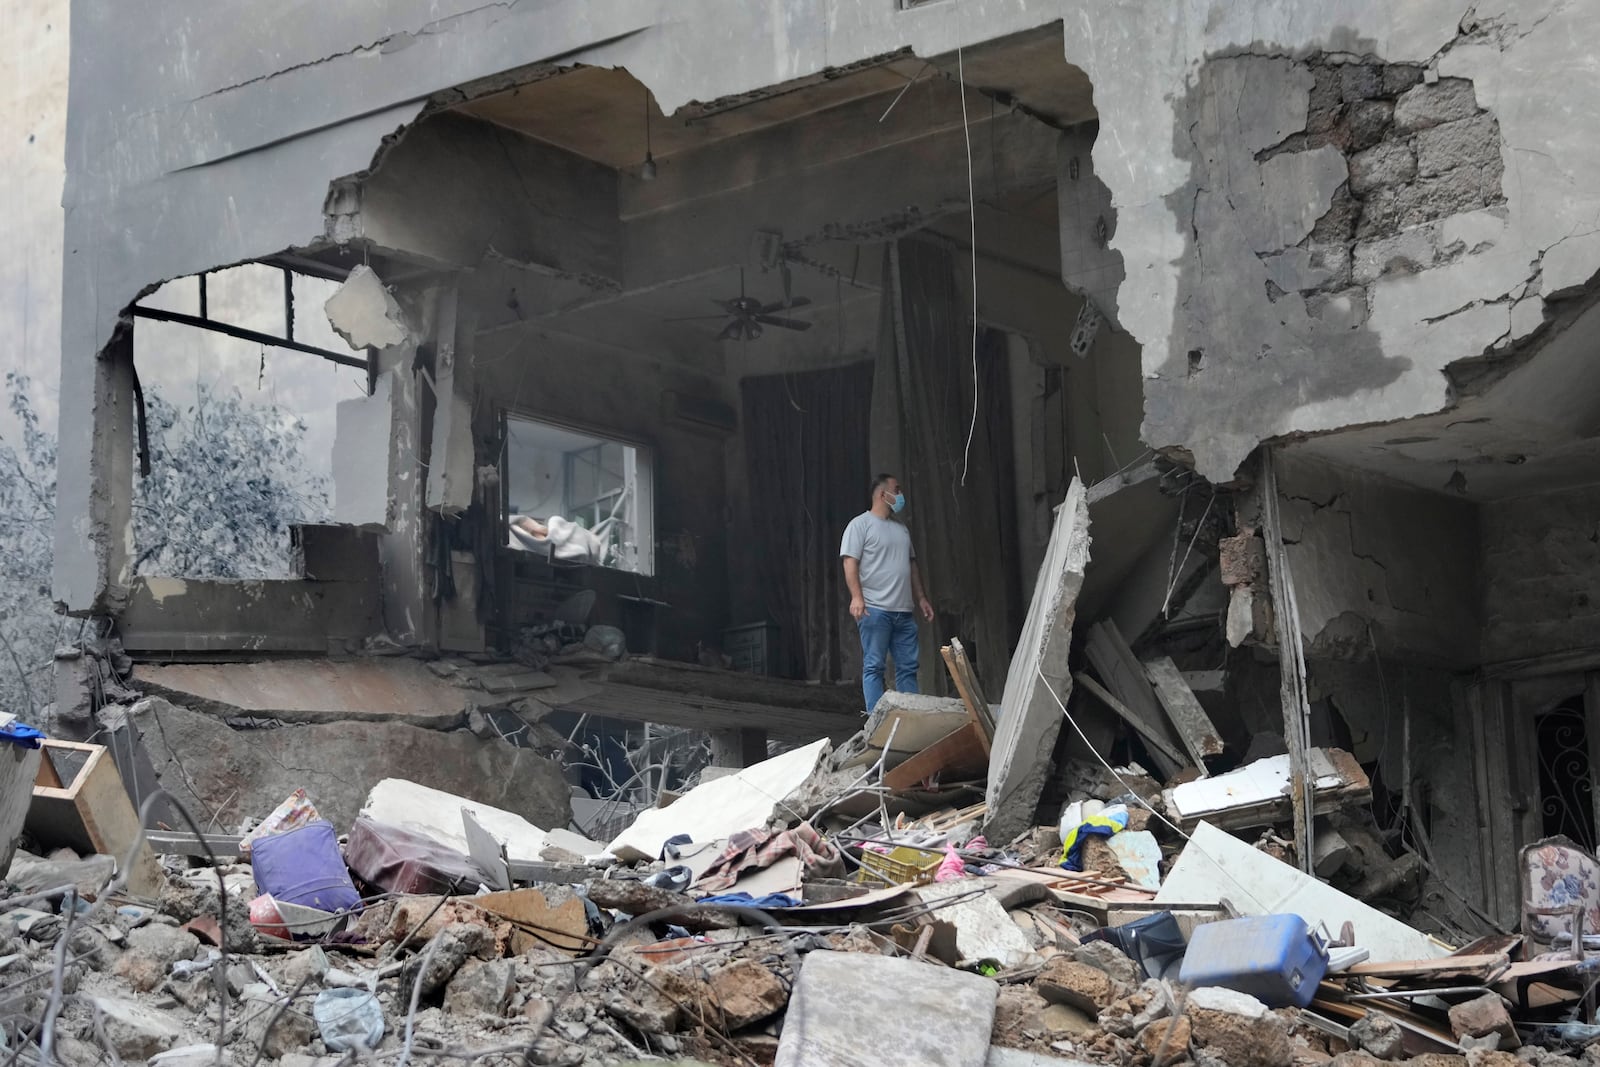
<point x="644" y="474"/>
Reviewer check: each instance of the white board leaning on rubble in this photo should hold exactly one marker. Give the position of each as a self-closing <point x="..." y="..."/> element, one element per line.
<point x="742" y="801"/>
<point x="1216" y="866"/>
<point x="1030" y="718"/>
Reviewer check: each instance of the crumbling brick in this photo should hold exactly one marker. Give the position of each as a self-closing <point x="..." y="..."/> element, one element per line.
<point x="745" y="992"/>
<point x="1389" y="163"/>
<point x="1471" y="141"/>
<point x="1242" y="560"/>
<point x="1425" y="106"/>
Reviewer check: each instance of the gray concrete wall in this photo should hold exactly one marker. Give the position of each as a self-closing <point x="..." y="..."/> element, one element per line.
<point x="1541" y="570"/>
<point x="191" y="145"/>
<point x="1369" y="552"/>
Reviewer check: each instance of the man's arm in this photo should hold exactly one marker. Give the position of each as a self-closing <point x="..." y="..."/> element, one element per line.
<point x="916" y="590"/>
<point x="852" y="581"/>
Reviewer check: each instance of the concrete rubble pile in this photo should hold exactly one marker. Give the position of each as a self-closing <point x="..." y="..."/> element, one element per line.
<point x="925" y="891"/>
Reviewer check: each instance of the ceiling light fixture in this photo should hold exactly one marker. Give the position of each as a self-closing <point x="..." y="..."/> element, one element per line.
<point x="648" y="171"/>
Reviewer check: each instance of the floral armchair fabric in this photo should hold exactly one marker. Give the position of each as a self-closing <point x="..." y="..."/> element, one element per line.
<point x="1560" y="883"/>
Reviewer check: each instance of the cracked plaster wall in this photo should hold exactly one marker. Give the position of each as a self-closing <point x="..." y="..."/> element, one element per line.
<point x="1366" y="551"/>
<point x="1541" y="568"/>
<point x="190" y="145"/>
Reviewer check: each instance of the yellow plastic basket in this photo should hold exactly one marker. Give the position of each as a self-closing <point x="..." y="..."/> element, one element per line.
<point x="899" y="866"/>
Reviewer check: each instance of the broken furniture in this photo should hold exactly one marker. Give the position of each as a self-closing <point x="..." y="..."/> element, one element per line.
<point x="1560" y="892"/>
<point x="1257" y="794"/>
<point x="19" y="766"/>
<point x="78" y="801"/>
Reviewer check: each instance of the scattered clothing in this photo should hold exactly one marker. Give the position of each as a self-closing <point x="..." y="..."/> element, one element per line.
<point x="1112" y="820"/>
<point x="754" y="850"/>
<point x="769" y="902"/>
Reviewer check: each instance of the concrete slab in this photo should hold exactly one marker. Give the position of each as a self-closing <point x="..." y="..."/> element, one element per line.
<point x="436" y="814"/>
<point x="312" y="690"/>
<point x="721" y="808"/>
<point x="225" y="775"/>
<point x="1030" y="715"/>
<point x="857" y="1010"/>
<point x="1215" y="864"/>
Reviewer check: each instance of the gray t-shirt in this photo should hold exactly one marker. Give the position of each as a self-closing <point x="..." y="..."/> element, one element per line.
<point x="884" y="550"/>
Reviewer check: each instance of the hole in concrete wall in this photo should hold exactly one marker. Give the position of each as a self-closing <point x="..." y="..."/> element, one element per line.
<point x="240" y="430"/>
<point x="1197" y="360"/>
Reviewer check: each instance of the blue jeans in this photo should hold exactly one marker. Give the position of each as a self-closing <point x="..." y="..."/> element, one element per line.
<point x="885" y="634"/>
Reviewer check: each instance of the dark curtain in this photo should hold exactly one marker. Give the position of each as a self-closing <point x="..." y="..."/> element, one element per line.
<point x="965" y="533"/>
<point x="806" y="440"/>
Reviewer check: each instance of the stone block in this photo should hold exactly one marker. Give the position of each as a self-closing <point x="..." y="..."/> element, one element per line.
<point x="1406" y="252"/>
<point x="1368" y="121"/>
<point x="1078" y="985"/>
<point x="1110" y="959"/>
<point x="1425" y="106"/>
<point x="1389" y="163"/>
<point x="859" y="1010"/>
<point x="1398" y="77"/>
<point x="1237" y="1028"/>
<point x="1471" y="141"/>
<point x="1388" y="211"/>
<point x="745" y="992"/>
<point x="1481" y="1016"/>
<point x="1360" y="81"/>
<point x="135" y="1031"/>
<point x="481" y="987"/>
<point x="1379" y="1035"/>
<point x="1324" y="101"/>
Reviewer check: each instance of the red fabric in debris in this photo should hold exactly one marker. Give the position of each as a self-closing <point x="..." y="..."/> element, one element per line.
<point x="398" y="860"/>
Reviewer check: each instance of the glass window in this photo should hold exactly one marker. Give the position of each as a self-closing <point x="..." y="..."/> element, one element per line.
<point x="578" y="498"/>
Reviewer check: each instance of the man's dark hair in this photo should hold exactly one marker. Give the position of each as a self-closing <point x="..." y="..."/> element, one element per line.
<point x="878" y="482"/>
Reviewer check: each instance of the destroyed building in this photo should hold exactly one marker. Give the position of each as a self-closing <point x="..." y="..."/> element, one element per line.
<point x="683" y="278"/>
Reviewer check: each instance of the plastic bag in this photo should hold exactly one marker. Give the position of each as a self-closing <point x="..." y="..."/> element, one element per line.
<point x="296" y="810"/>
<point x="348" y="1019"/>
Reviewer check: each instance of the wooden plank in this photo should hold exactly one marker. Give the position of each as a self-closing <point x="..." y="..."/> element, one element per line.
<point x="1123" y="677"/>
<point x="961" y="753"/>
<point x="966" y="680"/>
<point x="92" y="814"/>
<point x="1427" y="968"/>
<point x="19" y="767"/>
<point x="1167" y="758"/>
<point x="1188" y="718"/>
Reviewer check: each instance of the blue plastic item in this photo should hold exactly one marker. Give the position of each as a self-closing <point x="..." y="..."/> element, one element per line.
<point x="304" y="866"/>
<point x="1277" y="959"/>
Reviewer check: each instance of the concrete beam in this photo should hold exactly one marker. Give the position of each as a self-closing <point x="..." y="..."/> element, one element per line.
<point x="455" y="189"/>
<point x="94" y="488"/>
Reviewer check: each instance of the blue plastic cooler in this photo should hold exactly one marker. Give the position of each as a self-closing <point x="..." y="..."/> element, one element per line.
<point x="1277" y="959"/>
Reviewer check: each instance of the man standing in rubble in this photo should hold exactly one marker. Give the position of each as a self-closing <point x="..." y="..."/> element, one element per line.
<point x="880" y="570"/>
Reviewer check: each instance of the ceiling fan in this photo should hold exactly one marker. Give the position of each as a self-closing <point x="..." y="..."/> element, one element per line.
<point x="746" y="315"/>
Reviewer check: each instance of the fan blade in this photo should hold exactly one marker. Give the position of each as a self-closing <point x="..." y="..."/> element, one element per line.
<point x="730" y="306"/>
<point x="797" y="302"/>
<point x="787" y="324"/>
<point x="729" y="331"/>
<point x="696" y="318"/>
